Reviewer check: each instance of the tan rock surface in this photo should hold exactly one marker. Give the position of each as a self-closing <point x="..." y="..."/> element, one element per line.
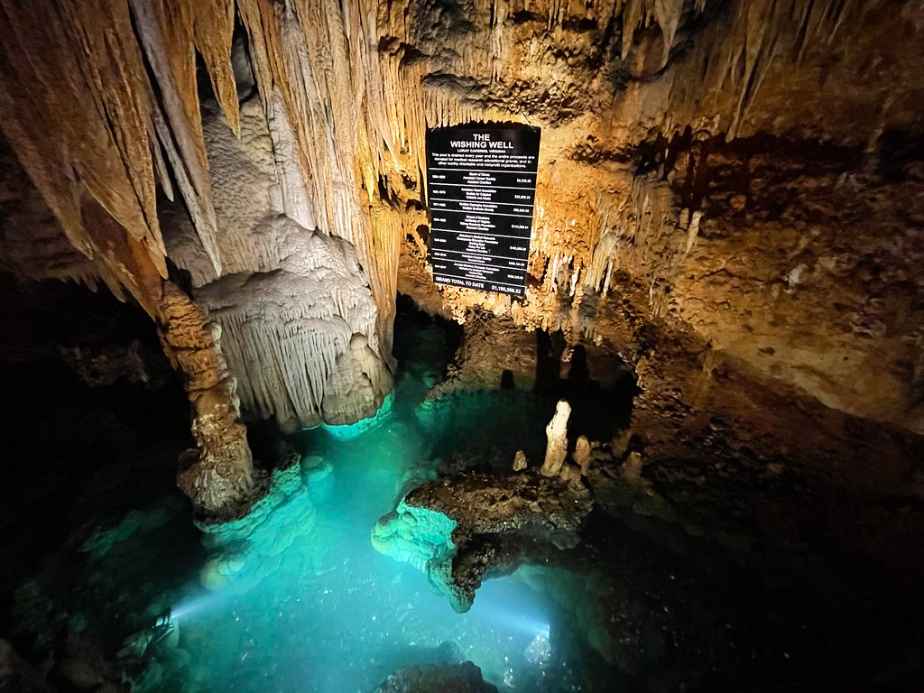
<point x="729" y="194"/>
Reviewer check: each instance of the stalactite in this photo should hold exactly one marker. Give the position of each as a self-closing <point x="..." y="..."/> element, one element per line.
<point x="348" y="90"/>
<point x="166" y="34"/>
<point x="757" y="37"/>
<point x="213" y="31"/>
<point x="94" y="126"/>
<point x="357" y="112"/>
<point x="80" y="128"/>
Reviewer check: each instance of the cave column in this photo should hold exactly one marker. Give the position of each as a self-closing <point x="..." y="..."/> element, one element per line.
<point x="218" y="477"/>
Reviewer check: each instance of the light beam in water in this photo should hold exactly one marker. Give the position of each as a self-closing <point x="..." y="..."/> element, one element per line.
<point x="195" y="605"/>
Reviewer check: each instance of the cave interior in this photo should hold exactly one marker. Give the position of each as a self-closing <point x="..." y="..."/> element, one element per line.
<point x="651" y="418"/>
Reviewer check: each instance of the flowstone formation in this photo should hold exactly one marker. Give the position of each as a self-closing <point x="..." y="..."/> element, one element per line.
<point x="298" y="316"/>
<point x="300" y="335"/>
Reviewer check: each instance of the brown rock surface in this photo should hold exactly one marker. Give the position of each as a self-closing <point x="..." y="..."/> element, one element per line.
<point x="437" y="678"/>
<point x="503" y="521"/>
<point x="729" y="195"/>
<point x="220" y="478"/>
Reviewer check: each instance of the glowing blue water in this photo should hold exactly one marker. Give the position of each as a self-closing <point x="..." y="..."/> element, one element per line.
<point x="295" y="598"/>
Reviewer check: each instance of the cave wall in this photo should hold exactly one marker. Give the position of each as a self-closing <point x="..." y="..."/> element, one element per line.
<point x="735" y="213"/>
<point x="741" y="182"/>
<point x="728" y="195"/>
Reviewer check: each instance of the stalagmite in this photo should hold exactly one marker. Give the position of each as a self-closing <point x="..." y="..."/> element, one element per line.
<point x="632" y="467"/>
<point x="301" y="197"/>
<point x="519" y="461"/>
<point x="557" y="436"/>
<point x="219" y="477"/>
<point x="582" y="454"/>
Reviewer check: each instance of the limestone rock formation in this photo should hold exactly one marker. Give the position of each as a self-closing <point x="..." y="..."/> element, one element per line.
<point x="519" y="461"/>
<point x="582" y="452"/>
<point x="556" y="432"/>
<point x="358" y="384"/>
<point x="219" y="476"/>
<point x="729" y="199"/>
<point x="290" y="298"/>
<point x="632" y="467"/>
<point x="289" y="332"/>
<point x="479" y="364"/>
<point x="464" y="529"/>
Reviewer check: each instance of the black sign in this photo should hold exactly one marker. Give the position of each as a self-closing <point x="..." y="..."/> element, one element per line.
<point x="482" y="187"/>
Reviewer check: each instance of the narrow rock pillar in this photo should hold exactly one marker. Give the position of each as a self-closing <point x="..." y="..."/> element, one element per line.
<point x="219" y="479"/>
<point x="557" y="435"/>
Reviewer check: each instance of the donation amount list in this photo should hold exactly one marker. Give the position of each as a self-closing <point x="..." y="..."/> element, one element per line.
<point x="482" y="187"/>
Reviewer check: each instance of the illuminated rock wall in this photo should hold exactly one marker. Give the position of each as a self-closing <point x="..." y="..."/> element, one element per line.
<point x="729" y="193"/>
<point x="289" y="297"/>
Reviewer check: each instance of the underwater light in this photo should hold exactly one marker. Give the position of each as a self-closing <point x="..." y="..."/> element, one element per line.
<point x="494" y="608"/>
<point x="194" y="606"/>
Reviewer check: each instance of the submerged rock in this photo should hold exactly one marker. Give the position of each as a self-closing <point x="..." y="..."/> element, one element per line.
<point x="438" y="678"/>
<point x="422" y="538"/>
<point x="244" y="550"/>
<point x="318" y="476"/>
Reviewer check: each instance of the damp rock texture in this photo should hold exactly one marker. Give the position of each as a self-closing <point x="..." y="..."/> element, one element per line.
<point x="502" y="521"/>
<point x="729" y="198"/>
<point x="480" y="365"/>
<point x="109" y="364"/>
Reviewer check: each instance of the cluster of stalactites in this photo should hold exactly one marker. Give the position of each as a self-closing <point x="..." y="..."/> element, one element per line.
<point x="641" y="229"/>
<point x="100" y="100"/>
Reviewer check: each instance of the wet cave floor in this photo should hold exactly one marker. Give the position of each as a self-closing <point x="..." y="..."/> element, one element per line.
<point x="295" y="597"/>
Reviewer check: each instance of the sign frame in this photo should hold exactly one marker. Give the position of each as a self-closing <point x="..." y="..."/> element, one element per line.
<point x="481" y="196"/>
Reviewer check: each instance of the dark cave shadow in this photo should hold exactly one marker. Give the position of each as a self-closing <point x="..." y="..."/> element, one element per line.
<point x="598" y="410"/>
